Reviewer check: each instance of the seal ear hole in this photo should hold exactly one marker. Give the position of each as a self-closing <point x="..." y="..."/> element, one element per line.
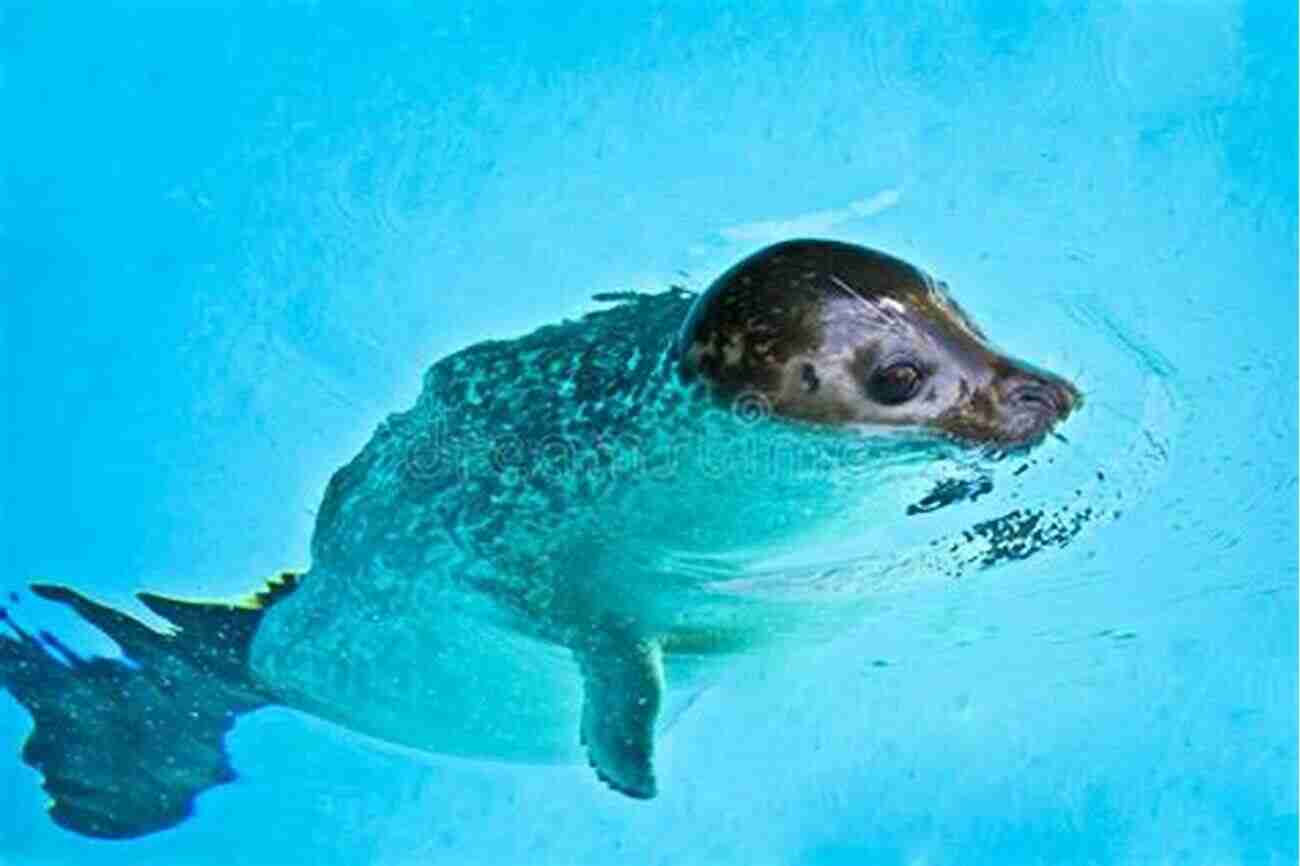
<point x="808" y="375"/>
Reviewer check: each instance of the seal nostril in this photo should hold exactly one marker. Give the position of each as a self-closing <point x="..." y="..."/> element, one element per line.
<point x="1035" y="396"/>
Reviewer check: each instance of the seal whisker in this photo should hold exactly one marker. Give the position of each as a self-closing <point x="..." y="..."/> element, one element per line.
<point x="849" y="289"/>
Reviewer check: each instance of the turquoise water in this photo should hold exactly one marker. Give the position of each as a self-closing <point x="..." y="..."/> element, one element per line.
<point x="234" y="239"/>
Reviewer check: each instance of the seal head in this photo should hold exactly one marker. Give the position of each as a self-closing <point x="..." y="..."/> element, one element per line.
<point x="837" y="334"/>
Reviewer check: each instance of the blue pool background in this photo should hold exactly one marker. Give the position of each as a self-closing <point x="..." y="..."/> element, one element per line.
<point x="233" y="239"/>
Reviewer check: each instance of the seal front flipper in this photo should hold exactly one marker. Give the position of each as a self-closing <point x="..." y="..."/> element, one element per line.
<point x="126" y="746"/>
<point x="623" y="680"/>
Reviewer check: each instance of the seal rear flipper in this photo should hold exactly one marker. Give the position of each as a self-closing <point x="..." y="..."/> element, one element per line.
<point x="126" y="746"/>
<point x="623" y="682"/>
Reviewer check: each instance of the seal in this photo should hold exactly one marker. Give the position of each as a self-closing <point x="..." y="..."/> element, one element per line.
<point x="544" y="557"/>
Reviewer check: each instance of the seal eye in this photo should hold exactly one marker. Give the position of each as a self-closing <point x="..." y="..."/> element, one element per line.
<point x="894" y="384"/>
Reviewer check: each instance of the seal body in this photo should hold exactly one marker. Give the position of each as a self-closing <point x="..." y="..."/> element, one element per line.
<point x="472" y="540"/>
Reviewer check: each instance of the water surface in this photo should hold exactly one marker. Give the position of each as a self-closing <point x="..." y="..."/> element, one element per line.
<point x="234" y="240"/>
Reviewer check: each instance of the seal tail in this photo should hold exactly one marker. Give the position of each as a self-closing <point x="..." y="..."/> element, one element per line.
<point x="125" y="746"/>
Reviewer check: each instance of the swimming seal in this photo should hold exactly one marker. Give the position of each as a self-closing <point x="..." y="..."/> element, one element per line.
<point x="538" y="559"/>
